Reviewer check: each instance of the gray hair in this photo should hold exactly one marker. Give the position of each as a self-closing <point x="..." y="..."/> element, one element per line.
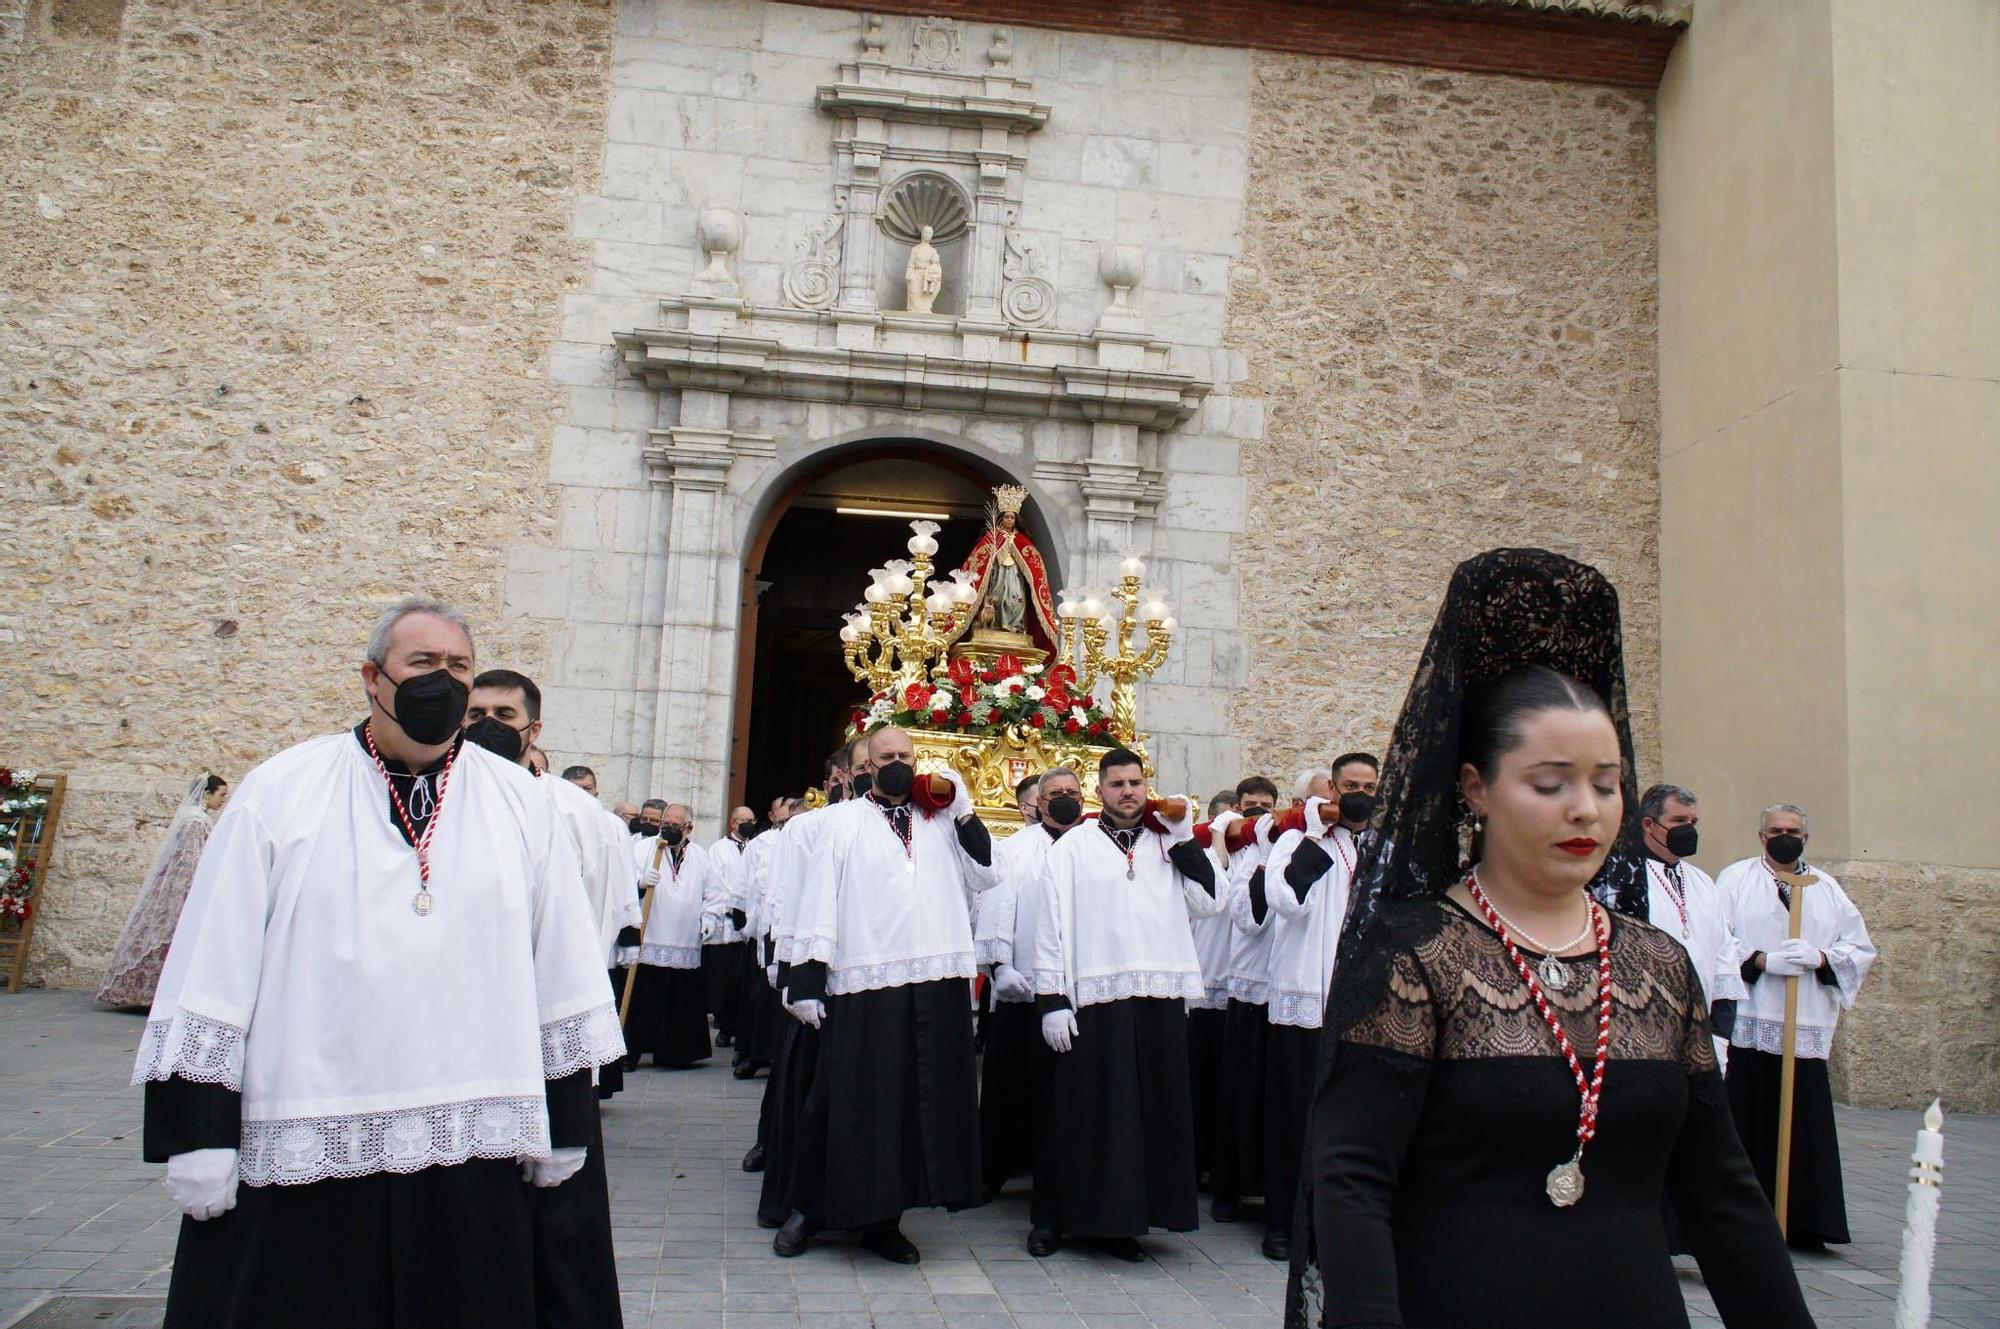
<point x="1654" y="801"/>
<point x="378" y="639"/>
<point x="1305" y="779"/>
<point x="653" y="805"/>
<point x="1792" y="808"/>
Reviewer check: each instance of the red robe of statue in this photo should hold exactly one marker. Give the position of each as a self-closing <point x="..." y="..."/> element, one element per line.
<point x="1040" y="620"/>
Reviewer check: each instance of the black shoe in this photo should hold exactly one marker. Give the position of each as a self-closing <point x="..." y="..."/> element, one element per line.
<point x="764" y="1222"/>
<point x="793" y="1236"/>
<point x="631" y="1061"/>
<point x="754" y="1160"/>
<point x="744" y="1070"/>
<point x="1043" y="1242"/>
<point x="1278" y="1246"/>
<point x="889" y="1242"/>
<point x="1125" y="1248"/>
<point x="725" y="1040"/>
<point x="1223" y="1211"/>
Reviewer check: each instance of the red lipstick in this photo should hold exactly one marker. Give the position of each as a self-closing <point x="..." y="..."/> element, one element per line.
<point x="1582" y="846"/>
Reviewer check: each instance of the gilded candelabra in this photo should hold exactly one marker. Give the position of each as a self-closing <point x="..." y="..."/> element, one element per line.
<point x="1098" y="625"/>
<point x="898" y="631"/>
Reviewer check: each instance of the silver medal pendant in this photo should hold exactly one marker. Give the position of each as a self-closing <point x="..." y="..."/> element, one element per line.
<point x="1131" y="871"/>
<point x="909" y="867"/>
<point x="1554" y="973"/>
<point x="422" y="904"/>
<point x="1565" y="1185"/>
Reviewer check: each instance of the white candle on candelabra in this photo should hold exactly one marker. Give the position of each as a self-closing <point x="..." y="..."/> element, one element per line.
<point x="1920" y="1212"/>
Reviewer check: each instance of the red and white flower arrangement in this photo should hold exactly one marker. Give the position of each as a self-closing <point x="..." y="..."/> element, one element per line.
<point x="984" y="702"/>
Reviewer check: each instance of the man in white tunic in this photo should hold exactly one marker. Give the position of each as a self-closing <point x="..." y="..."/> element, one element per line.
<point x="1114" y="963"/>
<point x="724" y="954"/>
<point x="881" y="962"/>
<point x="1683" y="902"/>
<point x="1015" y="1073"/>
<point x="346" y="1106"/>
<point x="1307" y="881"/>
<point x="1830" y="958"/>
<point x="576" y="1278"/>
<point x="1237" y="1168"/>
<point x="669" y="1015"/>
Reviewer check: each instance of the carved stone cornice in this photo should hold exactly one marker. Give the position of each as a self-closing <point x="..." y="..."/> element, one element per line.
<point x="851" y="100"/>
<point x="752" y="366"/>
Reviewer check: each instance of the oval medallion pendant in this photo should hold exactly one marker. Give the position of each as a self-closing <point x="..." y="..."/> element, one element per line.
<point x="1565" y="1184"/>
<point x="1554" y="973"/>
<point x="422" y="904"/>
<point x="909" y="867"/>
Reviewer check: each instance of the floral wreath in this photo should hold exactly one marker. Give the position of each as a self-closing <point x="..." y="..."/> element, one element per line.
<point x="986" y="702"/>
<point x="20" y="802"/>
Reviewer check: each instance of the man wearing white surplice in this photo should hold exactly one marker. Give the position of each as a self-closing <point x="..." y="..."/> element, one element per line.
<point x="882" y="960"/>
<point x="380" y="1010"/>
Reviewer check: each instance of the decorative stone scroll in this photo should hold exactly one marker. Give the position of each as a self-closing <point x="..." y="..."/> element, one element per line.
<point x="812" y="281"/>
<point x="937" y="43"/>
<point x="1027" y="299"/>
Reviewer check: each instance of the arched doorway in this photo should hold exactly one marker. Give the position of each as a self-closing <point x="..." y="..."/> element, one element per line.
<point x="807" y="563"/>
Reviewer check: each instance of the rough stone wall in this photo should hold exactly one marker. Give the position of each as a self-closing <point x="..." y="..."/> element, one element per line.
<point x="1447" y="297"/>
<point x="275" y="305"/>
<point x="1924" y="1025"/>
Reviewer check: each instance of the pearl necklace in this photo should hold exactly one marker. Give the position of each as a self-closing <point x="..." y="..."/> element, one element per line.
<point x="1554" y="973"/>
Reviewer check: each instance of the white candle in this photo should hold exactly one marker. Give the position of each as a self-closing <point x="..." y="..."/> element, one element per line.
<point x="1920" y="1211"/>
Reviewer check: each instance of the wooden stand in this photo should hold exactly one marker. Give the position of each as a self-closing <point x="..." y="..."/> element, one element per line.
<point x="1788" y="1066"/>
<point x="34" y="836"/>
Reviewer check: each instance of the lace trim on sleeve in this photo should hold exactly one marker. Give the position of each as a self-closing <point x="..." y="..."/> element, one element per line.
<point x="1299" y="1009"/>
<point x="301" y="1150"/>
<point x="193" y="1047"/>
<point x="670" y="957"/>
<point x="805" y="950"/>
<point x="1769" y="1036"/>
<point x="1213" y="998"/>
<point x="1249" y="990"/>
<point x="1100" y="988"/>
<point x="993" y="950"/>
<point x="900" y="973"/>
<point x="580" y="1042"/>
<point x="1050" y="983"/>
<point x="1848" y="973"/>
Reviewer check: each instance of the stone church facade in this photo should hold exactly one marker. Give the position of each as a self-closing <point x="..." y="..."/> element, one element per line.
<point x="552" y="308"/>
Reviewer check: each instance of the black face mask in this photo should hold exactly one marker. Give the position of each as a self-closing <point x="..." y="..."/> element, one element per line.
<point x="895" y="778"/>
<point x="1681" y="841"/>
<point x="673" y="834"/>
<point x="859" y="785"/>
<point x="496" y="736"/>
<point x="647" y="829"/>
<point x="1357" y="806"/>
<point x="1785" y="849"/>
<point x="636" y="826"/>
<point x="430" y="706"/>
<point x="743" y="830"/>
<point x="1063" y="809"/>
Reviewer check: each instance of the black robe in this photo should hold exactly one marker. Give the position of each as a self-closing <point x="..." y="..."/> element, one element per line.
<point x="1291" y="1059"/>
<point x="1014" y="1085"/>
<point x="1239" y="1105"/>
<point x="892" y="1120"/>
<point x="1817" y="1208"/>
<point x="783" y="1112"/>
<point x="439" y="1248"/>
<point x="669" y="1017"/>
<point x="1118" y="1149"/>
<point x="1205" y="1080"/>
<point x="722" y="983"/>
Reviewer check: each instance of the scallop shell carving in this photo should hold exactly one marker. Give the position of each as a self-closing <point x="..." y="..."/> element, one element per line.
<point x="924" y="199"/>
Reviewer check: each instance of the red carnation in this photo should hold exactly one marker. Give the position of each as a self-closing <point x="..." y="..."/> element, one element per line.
<point x="1097" y="727"/>
<point x="965" y="719"/>
<point x="993" y="716"/>
<point x="1070" y="726"/>
<point x="1038" y="719"/>
<point x="990" y="676"/>
<point x="941" y="716"/>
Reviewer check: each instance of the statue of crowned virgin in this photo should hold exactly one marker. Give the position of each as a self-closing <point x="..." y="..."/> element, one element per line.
<point x="1013" y="579"/>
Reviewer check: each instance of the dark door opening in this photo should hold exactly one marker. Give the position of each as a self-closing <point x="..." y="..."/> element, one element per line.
<point x="809" y="566"/>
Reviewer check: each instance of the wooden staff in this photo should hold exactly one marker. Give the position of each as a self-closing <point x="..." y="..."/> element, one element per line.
<point x="645" y="913"/>
<point x="1788" y="1066"/>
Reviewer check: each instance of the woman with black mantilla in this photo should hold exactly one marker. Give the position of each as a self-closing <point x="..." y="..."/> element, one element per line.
<point x="1459" y="1170"/>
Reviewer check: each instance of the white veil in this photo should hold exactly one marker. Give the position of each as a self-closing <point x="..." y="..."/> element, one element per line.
<point x="192" y="806"/>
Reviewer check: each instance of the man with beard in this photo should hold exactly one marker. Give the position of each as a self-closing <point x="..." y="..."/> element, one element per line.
<point x="881" y="958"/>
<point x="1114" y="962"/>
<point x="576" y="1277"/>
<point x="1014" y="1076"/>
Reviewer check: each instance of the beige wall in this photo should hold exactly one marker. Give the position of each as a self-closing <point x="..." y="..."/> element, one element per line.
<point x="1830" y="467"/>
<point x="279" y="284"/>
<point x="1447" y="296"/>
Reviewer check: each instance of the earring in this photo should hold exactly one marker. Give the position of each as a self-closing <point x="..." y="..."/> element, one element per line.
<point x="1478" y="824"/>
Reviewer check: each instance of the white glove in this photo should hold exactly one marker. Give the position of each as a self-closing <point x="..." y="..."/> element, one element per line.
<point x="648" y="878"/>
<point x="1010" y="984"/>
<point x="961" y="801"/>
<point x="1801" y="957"/>
<point x="707" y="929"/>
<point x="1059" y="1030"/>
<point x="810" y="1012"/>
<point x="557" y="1168"/>
<point x="771" y="974"/>
<point x="1780" y="965"/>
<point x="1182" y="830"/>
<point x="1316" y="822"/>
<point x="203" y="1182"/>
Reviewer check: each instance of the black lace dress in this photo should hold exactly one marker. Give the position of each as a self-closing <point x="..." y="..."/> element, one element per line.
<point x="1446" y="1103"/>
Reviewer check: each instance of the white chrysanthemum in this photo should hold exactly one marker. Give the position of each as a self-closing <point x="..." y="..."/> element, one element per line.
<point x="1035" y="693"/>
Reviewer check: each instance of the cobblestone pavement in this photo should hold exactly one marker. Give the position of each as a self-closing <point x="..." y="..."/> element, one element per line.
<point x="81" y="1216"/>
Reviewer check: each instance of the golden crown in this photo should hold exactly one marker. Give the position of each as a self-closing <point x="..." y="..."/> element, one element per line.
<point x="1009" y="498"/>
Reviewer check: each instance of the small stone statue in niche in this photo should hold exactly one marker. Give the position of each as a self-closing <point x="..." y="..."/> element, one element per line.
<point x="924" y="277"/>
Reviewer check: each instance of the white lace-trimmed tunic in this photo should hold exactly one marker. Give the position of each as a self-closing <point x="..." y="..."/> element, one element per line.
<point x="1102" y="938"/>
<point x="1250" y="936"/>
<point x="878" y="916"/>
<point x="1214" y="935"/>
<point x="1003" y="929"/>
<point x="731" y="860"/>
<point x="362" y="1037"/>
<point x="1306" y="933"/>
<point x="687" y="893"/>
<point x="1758" y="921"/>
